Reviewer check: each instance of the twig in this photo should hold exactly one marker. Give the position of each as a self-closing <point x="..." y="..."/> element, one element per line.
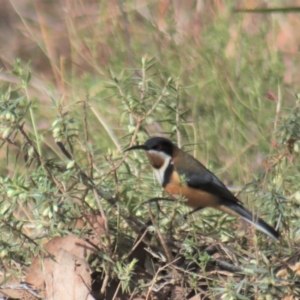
<point x="116" y="292"/>
<point x="106" y="127"/>
<point x="21" y="233"/>
<point x="155" y="277"/>
<point x="127" y="35"/>
<point x="106" y="279"/>
<point x="137" y="243"/>
<point x="22" y="286"/>
<point x="227" y="266"/>
<point x="86" y="137"/>
<point x="161" y="239"/>
<point x="278" y="107"/>
<point x="178" y="115"/>
<point x="156" y="103"/>
<point x="39" y="158"/>
<point x="106" y="226"/>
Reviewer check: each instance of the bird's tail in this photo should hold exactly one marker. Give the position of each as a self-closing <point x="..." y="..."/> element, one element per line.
<point x="238" y="210"/>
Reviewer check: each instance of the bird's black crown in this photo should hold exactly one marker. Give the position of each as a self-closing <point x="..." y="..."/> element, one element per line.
<point x="159" y="144"/>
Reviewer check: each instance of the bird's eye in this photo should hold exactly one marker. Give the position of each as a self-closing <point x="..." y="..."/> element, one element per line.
<point x="159" y="147"/>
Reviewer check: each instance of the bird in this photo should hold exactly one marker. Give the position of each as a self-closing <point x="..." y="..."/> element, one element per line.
<point x="182" y="175"/>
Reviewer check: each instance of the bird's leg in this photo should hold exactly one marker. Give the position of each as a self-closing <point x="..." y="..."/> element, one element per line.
<point x="185" y="216"/>
<point x="191" y="212"/>
<point x="156" y="201"/>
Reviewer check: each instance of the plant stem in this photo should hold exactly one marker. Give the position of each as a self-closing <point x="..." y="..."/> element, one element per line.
<point x="37" y="140"/>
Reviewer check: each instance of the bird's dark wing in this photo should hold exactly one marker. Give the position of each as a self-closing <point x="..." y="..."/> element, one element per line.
<point x="211" y="184"/>
<point x="199" y="177"/>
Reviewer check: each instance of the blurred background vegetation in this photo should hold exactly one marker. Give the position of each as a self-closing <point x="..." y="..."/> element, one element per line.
<point x="227" y="66"/>
<point x="100" y="75"/>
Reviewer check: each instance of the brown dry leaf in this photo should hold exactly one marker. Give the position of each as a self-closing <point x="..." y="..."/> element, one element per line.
<point x="289" y="298"/>
<point x="11" y="288"/>
<point x="72" y="244"/>
<point x="196" y="297"/>
<point x="18" y="291"/>
<point x="10" y="293"/>
<point x="68" y="279"/>
<point x="63" y="272"/>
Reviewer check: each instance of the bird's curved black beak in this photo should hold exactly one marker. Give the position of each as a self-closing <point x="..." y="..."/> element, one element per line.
<point x="142" y="147"/>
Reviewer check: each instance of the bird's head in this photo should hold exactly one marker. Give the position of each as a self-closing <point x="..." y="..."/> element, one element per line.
<point x="158" y="150"/>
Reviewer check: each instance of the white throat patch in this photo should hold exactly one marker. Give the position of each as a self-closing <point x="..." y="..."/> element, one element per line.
<point x="159" y="173"/>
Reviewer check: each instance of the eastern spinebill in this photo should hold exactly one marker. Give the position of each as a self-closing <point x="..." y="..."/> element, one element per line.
<point x="180" y="174"/>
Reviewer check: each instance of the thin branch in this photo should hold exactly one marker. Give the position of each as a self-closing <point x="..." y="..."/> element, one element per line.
<point x="39" y="158"/>
<point x="161" y="239"/>
<point x="106" y="127"/>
